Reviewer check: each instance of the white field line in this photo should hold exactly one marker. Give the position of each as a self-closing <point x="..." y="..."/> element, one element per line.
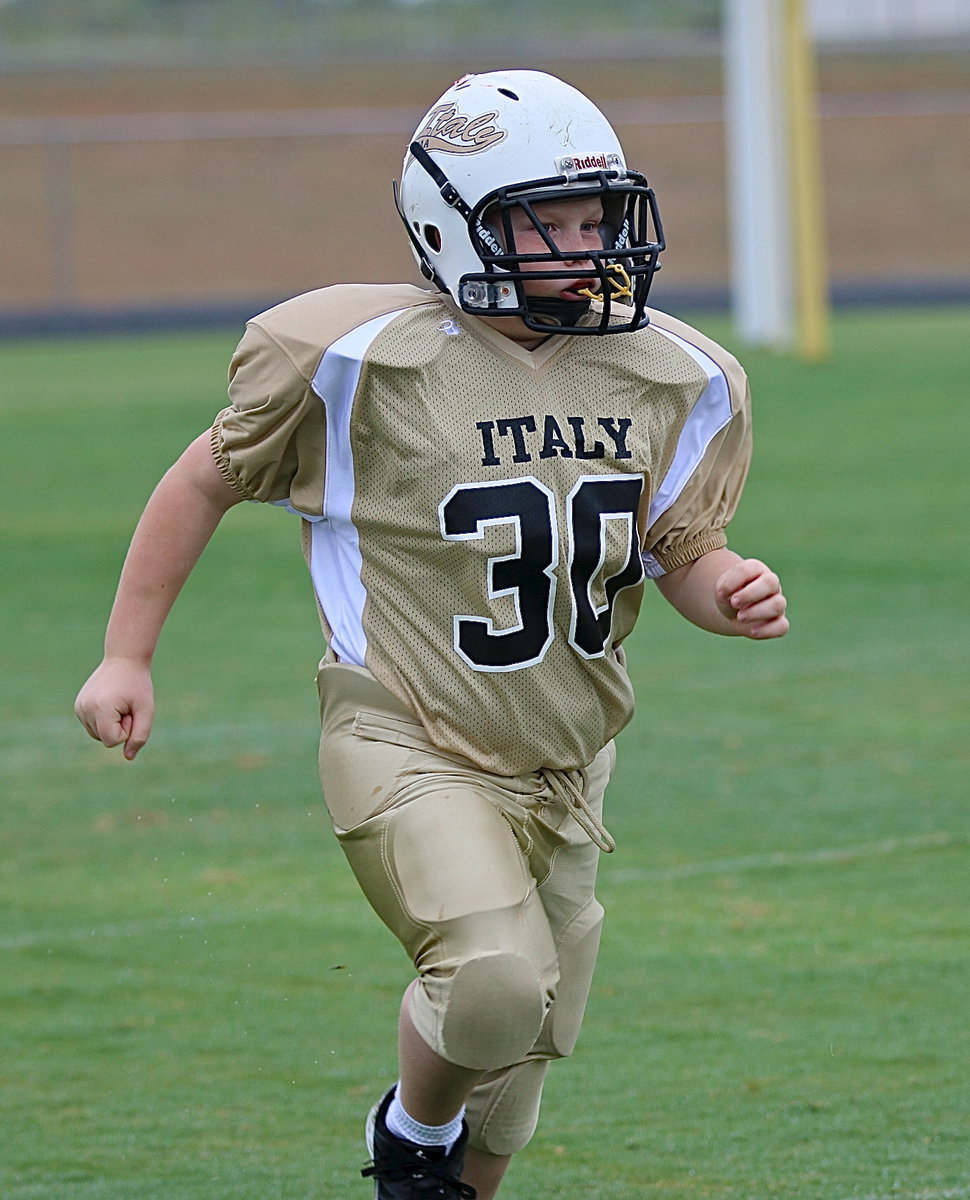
<point x="119" y="929"/>
<point x="753" y="862"/>
<point x="960" y="1193"/>
<point x="786" y="858"/>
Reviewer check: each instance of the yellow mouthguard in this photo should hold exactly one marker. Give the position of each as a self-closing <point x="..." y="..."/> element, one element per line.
<point x="622" y="285"/>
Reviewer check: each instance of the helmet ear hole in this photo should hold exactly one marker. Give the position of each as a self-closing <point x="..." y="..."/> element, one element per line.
<point x="432" y="235"/>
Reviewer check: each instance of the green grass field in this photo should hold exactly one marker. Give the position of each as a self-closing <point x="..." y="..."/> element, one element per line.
<point x="196" y="1005"/>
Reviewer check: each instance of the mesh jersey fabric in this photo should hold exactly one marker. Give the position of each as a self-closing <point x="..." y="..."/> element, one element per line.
<point x="480" y="518"/>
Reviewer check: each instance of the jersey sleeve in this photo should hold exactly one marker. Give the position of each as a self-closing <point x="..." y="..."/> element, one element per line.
<point x="703" y="486"/>
<point x="269" y="444"/>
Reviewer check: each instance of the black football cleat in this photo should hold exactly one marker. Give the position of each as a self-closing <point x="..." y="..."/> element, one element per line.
<point x="403" y="1170"/>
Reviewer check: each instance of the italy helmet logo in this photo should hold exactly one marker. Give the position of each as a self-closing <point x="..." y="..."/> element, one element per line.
<point x="451" y="132"/>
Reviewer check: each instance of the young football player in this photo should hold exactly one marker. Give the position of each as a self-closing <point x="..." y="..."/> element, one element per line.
<point x="487" y="472"/>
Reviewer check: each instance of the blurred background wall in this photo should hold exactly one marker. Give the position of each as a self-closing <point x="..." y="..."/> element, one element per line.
<point x="173" y="160"/>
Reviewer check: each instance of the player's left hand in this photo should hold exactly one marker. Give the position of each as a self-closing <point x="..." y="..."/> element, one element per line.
<point x="749" y="594"/>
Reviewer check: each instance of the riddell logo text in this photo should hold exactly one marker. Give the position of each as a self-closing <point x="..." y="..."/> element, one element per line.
<point x="446" y="129"/>
<point x="590" y="162"/>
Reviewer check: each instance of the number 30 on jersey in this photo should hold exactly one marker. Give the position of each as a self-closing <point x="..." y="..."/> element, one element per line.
<point x="598" y="563"/>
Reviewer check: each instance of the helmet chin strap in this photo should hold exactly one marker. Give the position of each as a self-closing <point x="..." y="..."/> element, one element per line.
<point x="553" y="310"/>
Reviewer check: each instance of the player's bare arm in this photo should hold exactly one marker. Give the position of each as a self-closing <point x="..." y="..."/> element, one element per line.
<point x="116" y="704"/>
<point x="730" y="595"/>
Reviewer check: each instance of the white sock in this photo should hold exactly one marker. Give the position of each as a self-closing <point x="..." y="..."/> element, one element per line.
<point x="402" y="1125"/>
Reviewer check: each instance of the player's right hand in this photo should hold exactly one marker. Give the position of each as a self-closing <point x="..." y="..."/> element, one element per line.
<point x="117" y="705"/>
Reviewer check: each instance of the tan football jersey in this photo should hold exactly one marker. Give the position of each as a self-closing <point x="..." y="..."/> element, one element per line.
<point x="479" y="518"/>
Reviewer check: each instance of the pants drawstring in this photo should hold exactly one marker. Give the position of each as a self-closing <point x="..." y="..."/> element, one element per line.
<point x="563" y="785"/>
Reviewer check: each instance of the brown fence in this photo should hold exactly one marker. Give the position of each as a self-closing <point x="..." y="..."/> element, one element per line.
<point x="168" y="210"/>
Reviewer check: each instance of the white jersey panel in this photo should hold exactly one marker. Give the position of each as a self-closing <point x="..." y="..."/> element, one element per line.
<point x="335" y="559"/>
<point x="708" y="417"/>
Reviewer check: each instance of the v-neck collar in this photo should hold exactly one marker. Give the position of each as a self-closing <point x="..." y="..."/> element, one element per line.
<point x="534" y="359"/>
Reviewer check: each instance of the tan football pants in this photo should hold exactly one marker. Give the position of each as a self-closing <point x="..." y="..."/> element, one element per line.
<point x="486" y="880"/>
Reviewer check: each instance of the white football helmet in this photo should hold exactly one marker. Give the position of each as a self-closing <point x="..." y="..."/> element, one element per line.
<point x="505" y="140"/>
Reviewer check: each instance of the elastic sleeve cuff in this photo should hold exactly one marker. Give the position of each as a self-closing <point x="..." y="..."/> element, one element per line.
<point x="222" y="459"/>
<point x="661" y="563"/>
